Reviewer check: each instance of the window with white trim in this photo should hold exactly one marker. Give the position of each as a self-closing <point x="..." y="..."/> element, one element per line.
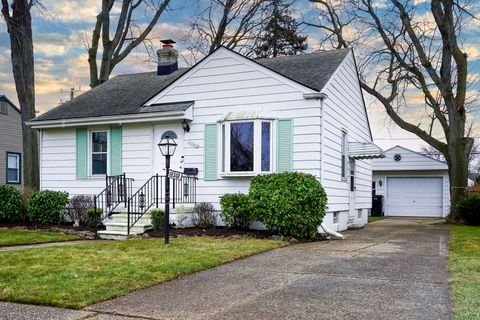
<point x="247" y="147"/>
<point x="98" y="152"/>
<point x="344" y="154"/>
<point x="14" y="168"/>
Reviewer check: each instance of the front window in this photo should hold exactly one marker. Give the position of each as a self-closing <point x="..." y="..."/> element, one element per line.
<point x="241" y="146"/>
<point x="246" y="147"/>
<point x="13" y="168"/>
<point x="99" y="152"/>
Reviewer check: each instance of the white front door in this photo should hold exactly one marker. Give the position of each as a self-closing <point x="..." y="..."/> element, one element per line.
<point x="176" y="161"/>
<point x="352" y="188"/>
<point x="414" y="197"/>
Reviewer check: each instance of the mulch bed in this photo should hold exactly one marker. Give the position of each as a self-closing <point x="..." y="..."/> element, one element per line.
<point x="220" y="232"/>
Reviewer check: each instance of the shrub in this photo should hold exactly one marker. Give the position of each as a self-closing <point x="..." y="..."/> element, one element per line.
<point x="236" y="211"/>
<point x="79" y="205"/>
<point x="93" y="218"/>
<point x="47" y="207"/>
<point x="468" y="209"/>
<point x="10" y="203"/>
<point x="204" y="215"/>
<point x="157" y="219"/>
<point x="290" y="203"/>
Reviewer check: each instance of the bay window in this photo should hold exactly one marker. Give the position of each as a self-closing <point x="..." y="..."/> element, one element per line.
<point x="246" y="147"/>
<point x="98" y="152"/>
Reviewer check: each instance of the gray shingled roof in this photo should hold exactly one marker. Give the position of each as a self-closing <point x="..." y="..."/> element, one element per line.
<point x="126" y="94"/>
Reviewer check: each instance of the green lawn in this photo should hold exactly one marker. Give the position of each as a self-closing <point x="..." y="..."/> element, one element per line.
<point x="18" y="237"/>
<point x="80" y="275"/>
<point x="373" y="219"/>
<point x="464" y="264"/>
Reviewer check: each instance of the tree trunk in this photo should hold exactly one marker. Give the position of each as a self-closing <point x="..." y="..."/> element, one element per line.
<point x="20" y="30"/>
<point x="458" y="152"/>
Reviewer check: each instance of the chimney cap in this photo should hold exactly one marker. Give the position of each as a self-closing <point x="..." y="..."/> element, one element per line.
<point x="167" y="41"/>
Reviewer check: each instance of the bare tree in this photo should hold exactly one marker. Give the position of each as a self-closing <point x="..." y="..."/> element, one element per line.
<point x="19" y="25"/>
<point x="408" y="54"/>
<point x="127" y="34"/>
<point x="473" y="157"/>
<point x="235" y="24"/>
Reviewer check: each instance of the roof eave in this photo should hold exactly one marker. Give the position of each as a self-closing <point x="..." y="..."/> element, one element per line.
<point x="118" y="120"/>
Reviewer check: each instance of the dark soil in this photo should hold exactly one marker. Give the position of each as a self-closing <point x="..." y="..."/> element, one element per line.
<point x="220" y="232"/>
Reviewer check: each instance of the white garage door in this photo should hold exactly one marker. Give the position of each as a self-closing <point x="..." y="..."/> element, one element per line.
<point x="414" y="197"/>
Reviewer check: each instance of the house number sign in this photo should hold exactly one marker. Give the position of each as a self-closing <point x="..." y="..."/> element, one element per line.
<point x="172" y="174"/>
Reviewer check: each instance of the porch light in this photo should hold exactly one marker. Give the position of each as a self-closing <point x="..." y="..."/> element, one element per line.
<point x="141" y="200"/>
<point x="167" y="146"/>
<point x="185" y="189"/>
<point x="109" y="198"/>
<point x="380" y="182"/>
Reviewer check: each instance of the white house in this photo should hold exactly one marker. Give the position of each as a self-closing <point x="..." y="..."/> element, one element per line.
<point x="233" y="118"/>
<point x="411" y="184"/>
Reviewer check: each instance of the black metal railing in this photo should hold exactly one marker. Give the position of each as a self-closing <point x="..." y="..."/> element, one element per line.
<point x="118" y="190"/>
<point x="183" y="190"/>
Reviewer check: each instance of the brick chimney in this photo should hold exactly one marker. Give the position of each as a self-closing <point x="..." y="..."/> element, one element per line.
<point x="167" y="58"/>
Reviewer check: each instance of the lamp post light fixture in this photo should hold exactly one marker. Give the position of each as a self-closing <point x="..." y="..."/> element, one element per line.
<point x="167" y="147"/>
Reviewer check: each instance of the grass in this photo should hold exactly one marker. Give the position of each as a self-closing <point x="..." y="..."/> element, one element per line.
<point x="19" y="237"/>
<point x="77" y="276"/>
<point x="464" y="264"/>
<point x="373" y="219"/>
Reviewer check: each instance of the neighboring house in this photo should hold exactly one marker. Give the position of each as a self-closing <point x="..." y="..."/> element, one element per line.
<point x="233" y="117"/>
<point x="11" y="143"/>
<point x="412" y="184"/>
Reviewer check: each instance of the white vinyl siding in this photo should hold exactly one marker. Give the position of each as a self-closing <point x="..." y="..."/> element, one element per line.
<point x="344" y="110"/>
<point x="227" y="84"/>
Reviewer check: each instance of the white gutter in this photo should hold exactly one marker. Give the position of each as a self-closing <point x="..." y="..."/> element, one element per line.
<point x="129" y="118"/>
<point x="332" y="233"/>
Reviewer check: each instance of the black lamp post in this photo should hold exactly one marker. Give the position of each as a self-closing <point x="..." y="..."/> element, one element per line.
<point x="167" y="147"/>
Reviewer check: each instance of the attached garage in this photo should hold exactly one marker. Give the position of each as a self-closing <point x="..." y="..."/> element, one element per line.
<point x="410" y="184"/>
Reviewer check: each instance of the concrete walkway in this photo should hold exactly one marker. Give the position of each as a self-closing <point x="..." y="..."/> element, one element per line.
<point x="47" y="244"/>
<point x="392" y="269"/>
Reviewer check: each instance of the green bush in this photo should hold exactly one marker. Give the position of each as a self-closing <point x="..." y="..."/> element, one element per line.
<point x="10" y="203"/>
<point x="236" y="210"/>
<point x="290" y="203"/>
<point x="94" y="218"/>
<point x="47" y="207"/>
<point x="157" y="219"/>
<point x="468" y="209"/>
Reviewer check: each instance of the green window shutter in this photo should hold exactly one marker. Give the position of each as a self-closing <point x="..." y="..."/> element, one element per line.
<point x="284" y="145"/>
<point x="115" y="151"/>
<point x="82" y="152"/>
<point x="210" y="152"/>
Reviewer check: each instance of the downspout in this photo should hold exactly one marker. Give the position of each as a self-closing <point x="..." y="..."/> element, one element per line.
<point x="321" y="97"/>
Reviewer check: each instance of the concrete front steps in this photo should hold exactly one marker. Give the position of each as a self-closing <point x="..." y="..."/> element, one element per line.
<point x="117" y="227"/>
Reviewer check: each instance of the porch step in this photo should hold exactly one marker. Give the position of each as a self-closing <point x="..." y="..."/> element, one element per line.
<point x="115" y="235"/>
<point x="117" y="227"/>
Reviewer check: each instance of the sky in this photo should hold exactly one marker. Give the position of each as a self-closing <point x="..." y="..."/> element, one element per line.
<point x="62" y="29"/>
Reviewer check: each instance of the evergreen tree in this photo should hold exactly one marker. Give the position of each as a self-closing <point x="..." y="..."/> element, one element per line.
<point x="280" y="35"/>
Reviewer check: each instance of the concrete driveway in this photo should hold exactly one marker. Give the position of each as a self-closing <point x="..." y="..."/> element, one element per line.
<point x="392" y="269"/>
